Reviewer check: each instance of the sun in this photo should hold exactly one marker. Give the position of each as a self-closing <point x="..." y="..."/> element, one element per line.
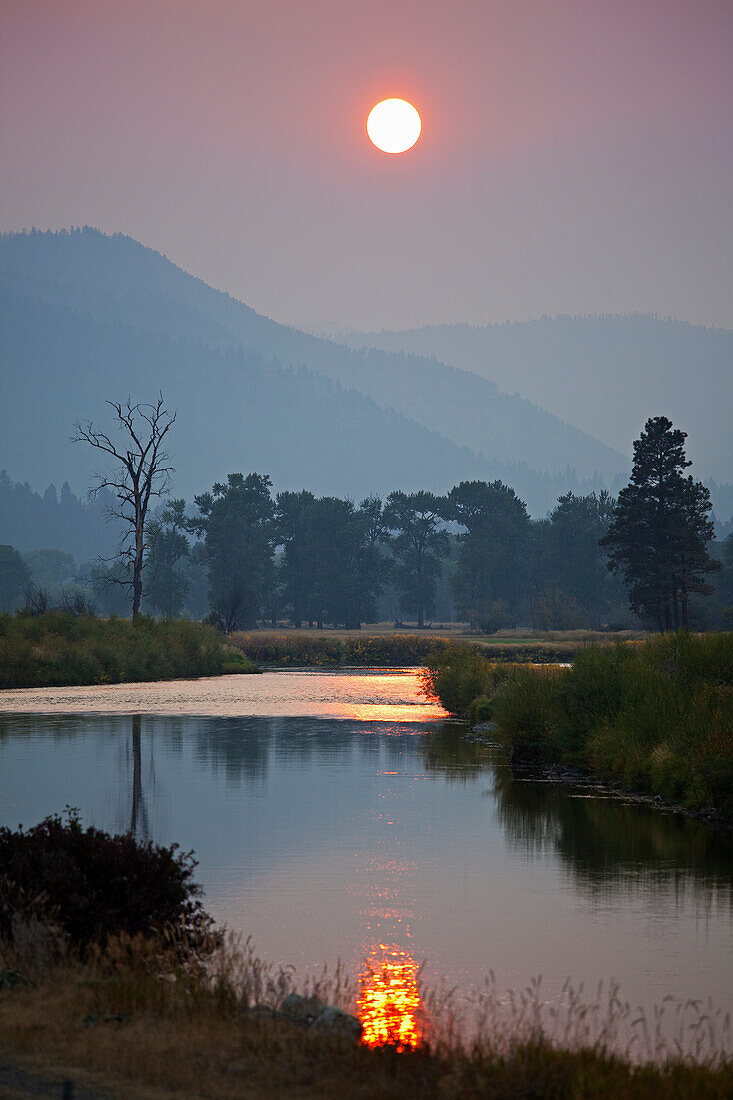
<point x="393" y="125"/>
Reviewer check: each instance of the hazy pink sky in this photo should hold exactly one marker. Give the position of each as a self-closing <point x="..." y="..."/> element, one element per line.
<point x="576" y="155"/>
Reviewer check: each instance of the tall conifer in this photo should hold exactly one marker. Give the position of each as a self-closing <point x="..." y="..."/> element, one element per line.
<point x="660" y="530"/>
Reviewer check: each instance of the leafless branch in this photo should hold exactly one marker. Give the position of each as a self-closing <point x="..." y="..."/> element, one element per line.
<point x="144" y="472"/>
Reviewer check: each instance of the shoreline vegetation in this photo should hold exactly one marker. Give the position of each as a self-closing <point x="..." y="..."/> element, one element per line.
<point x="408" y="647"/>
<point x="59" y="650"/>
<point x="653" y="718"/>
<point x="131" y="1020"/>
<point x="153" y="996"/>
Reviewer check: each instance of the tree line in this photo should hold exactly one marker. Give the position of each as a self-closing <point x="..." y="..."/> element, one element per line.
<point x="251" y="556"/>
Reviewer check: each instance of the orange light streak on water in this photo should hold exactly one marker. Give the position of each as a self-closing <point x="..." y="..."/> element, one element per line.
<point x="389" y="1005"/>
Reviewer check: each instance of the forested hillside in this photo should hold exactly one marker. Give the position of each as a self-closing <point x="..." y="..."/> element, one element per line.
<point x="236" y="411"/>
<point x="55" y="518"/>
<point x="606" y="375"/>
<point x="84" y="313"/>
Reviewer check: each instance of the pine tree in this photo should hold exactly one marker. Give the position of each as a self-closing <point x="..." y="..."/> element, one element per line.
<point x="660" y="529"/>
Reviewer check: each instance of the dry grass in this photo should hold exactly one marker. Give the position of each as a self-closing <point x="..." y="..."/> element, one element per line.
<point x="129" y="1021"/>
<point x="384" y="644"/>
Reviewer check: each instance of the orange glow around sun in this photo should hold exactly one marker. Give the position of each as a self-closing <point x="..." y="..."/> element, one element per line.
<point x="389" y="1005"/>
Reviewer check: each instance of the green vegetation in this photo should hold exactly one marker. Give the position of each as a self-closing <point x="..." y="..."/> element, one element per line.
<point x="241" y="557"/>
<point x="236" y="523"/>
<point x="331" y="567"/>
<point x="418" y="544"/>
<point x="14" y="578"/>
<point x="166" y="584"/>
<point x="55" y="649"/>
<point x="655" y="716"/>
<point x="142" y="474"/>
<point x="302" y="649"/>
<point x="393" y="648"/>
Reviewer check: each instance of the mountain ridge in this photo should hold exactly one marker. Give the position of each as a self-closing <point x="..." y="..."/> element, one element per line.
<point x="608" y="372"/>
<point x="117" y="279"/>
<point x="222" y="427"/>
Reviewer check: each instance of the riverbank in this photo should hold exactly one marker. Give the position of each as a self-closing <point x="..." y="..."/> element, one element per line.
<point x="654" y="718"/>
<point x="58" y="650"/>
<point x="114" y="1028"/>
<point x="403" y="648"/>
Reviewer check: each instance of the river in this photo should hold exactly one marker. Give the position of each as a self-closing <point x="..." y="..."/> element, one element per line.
<point x="339" y="816"/>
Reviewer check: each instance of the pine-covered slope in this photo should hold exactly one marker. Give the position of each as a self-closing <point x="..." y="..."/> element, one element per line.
<point x="607" y="375"/>
<point x="132" y="296"/>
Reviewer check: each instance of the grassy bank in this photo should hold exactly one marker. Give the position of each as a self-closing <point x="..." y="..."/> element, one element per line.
<point x="151" y="1000"/>
<point x="55" y="649"/>
<point x="129" y="1021"/>
<point x="656" y="716"/>
<point x="329" y="649"/>
<point x="395" y="648"/>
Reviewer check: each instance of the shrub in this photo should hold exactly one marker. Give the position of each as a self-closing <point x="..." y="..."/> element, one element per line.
<point x="481" y="710"/>
<point x="462" y="675"/>
<point x="92" y="885"/>
<point x="458" y="677"/>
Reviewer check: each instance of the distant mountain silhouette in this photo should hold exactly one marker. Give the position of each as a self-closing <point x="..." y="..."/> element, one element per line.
<point x="604" y="374"/>
<point x="87" y="317"/>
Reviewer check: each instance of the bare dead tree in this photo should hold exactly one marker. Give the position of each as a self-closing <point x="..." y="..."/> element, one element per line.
<point x="144" y="472"/>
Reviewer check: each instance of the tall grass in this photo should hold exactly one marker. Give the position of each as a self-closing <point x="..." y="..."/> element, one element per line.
<point x="301" y="649"/>
<point x="311" y="650"/>
<point x="56" y="649"/>
<point x="656" y="716"/>
<point x="133" y="1019"/>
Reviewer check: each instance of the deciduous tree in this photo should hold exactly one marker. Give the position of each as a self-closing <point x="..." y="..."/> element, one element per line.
<point x="143" y="473"/>
<point x="236" y="522"/>
<point x="418" y="545"/>
<point x="492" y="559"/>
<point x="166" y="584"/>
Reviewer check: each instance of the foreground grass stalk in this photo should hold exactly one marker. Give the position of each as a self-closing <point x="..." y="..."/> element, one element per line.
<point x="132" y="1018"/>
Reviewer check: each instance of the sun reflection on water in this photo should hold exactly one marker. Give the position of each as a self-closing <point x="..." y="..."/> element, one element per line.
<point x="390" y="1007"/>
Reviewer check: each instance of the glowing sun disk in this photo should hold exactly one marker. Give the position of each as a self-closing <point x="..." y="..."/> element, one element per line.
<point x="393" y="125"/>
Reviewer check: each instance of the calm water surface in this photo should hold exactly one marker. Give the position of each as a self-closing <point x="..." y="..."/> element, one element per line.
<point x="337" y="815"/>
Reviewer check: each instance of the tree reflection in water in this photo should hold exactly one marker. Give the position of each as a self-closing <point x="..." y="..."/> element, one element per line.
<point x="606" y="841"/>
<point x="139" y="816"/>
<point x="448" y="753"/>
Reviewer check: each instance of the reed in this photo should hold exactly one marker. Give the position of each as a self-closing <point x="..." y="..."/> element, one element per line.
<point x="308" y="649"/>
<point x="303" y="649"/>
<point x="655" y="716"/>
<point x="131" y="1018"/>
<point x="57" y="649"/>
